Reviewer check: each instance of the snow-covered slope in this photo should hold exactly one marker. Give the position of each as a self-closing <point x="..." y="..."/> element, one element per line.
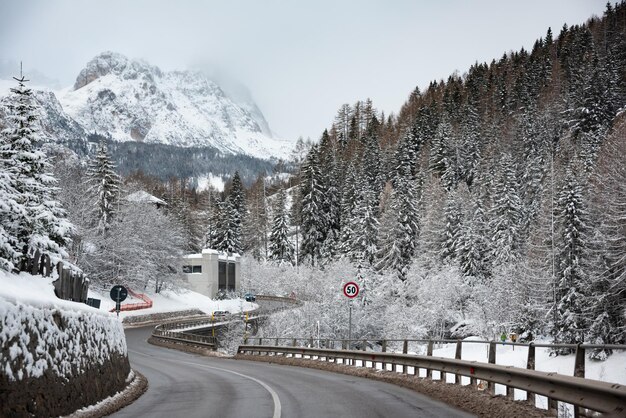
<point x="131" y="100"/>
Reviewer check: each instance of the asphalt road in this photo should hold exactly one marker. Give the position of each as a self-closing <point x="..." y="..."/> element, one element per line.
<point x="189" y="385"/>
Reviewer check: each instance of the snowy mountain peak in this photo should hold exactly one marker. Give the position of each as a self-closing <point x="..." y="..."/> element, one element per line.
<point x="131" y="100"/>
<point x="113" y="63"/>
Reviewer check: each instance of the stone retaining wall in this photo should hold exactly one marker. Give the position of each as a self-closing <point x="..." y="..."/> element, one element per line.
<point x="54" y="361"/>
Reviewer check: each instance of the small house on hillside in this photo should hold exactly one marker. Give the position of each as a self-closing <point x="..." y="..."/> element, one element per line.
<point x="212" y="271"/>
<point x="145" y="197"/>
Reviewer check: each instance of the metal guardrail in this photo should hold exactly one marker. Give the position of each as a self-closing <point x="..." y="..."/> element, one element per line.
<point x="203" y="340"/>
<point x="175" y="330"/>
<point x="582" y="393"/>
<point x="208" y="322"/>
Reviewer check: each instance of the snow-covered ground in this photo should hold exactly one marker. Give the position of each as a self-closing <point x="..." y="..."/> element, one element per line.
<point x="170" y="301"/>
<point x="611" y="370"/>
<point x="39" y="291"/>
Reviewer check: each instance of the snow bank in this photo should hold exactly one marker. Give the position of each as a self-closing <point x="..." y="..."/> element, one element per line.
<point x="49" y="338"/>
<point x="613" y="369"/>
<point x="173" y="301"/>
<point x="56" y="355"/>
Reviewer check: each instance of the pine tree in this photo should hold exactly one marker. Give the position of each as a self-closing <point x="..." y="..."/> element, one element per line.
<point x="572" y="221"/>
<point x="280" y="247"/>
<point x="36" y="221"/>
<point x="471" y="247"/>
<point x="105" y="185"/>
<point x="239" y="212"/>
<point x="401" y="223"/>
<point x="228" y="229"/>
<point x="606" y="296"/>
<point x="364" y="226"/>
<point x="9" y="208"/>
<point x="506" y="213"/>
<point x="452" y="231"/>
<point x="349" y="207"/>
<point x="216" y="223"/>
<point x="313" y="219"/>
<point x="470" y="145"/>
<point x="331" y="206"/>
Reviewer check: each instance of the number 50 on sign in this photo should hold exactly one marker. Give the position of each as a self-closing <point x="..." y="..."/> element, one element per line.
<point x="351" y="290"/>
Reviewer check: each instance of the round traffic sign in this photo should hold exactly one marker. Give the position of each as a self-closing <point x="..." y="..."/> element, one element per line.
<point x="351" y="290"/>
<point x="119" y="293"/>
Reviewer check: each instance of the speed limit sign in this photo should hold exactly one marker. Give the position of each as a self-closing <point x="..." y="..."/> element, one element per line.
<point x="351" y="290"/>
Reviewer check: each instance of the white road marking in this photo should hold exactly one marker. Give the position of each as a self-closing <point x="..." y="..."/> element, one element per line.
<point x="277" y="405"/>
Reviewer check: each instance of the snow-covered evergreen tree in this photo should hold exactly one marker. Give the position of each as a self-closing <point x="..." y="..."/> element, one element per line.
<point x="452" y="231"/>
<point x="9" y="206"/>
<point x="314" y="220"/>
<point x="400" y="226"/>
<point x="364" y="226"/>
<point x="280" y="247"/>
<point x="572" y="221"/>
<point x="470" y="144"/>
<point x="506" y="213"/>
<point x="349" y="206"/>
<point x="228" y="230"/>
<point x="331" y="206"/>
<point x="237" y="198"/>
<point x="36" y="221"/>
<point x="105" y="186"/>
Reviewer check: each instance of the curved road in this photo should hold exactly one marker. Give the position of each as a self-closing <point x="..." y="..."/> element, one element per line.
<point x="190" y="385"/>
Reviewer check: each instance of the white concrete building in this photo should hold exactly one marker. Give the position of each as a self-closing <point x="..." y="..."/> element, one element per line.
<point x="212" y="271"/>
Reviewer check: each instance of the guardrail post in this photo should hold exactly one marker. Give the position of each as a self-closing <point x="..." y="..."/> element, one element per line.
<point x="553" y="405"/>
<point x="491" y="358"/>
<point x="344" y="344"/>
<point x="530" y="365"/>
<point x="579" y="371"/>
<point x="405" y="350"/>
<point x="260" y="341"/>
<point x="429" y="353"/>
<point x="294" y="342"/>
<point x="384" y="351"/>
<point x="276" y="343"/>
<point x="311" y="342"/>
<point x="457" y="355"/>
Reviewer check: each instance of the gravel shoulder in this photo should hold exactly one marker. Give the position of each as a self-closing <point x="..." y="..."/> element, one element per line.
<point x="481" y="403"/>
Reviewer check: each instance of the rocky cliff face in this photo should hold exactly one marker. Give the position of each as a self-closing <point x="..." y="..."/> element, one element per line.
<point x="129" y="100"/>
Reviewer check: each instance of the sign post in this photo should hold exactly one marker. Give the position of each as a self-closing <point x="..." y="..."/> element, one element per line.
<point x="350" y="290"/>
<point x="119" y="294"/>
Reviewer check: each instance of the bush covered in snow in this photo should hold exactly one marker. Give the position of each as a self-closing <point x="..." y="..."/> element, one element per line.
<point x="432" y="300"/>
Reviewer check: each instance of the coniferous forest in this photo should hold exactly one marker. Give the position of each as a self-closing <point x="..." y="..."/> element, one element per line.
<point x="510" y="177"/>
<point x="494" y="200"/>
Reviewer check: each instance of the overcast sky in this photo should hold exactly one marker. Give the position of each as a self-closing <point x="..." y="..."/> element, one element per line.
<point x="300" y="60"/>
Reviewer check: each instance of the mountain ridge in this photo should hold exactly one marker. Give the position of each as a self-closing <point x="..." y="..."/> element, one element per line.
<point x="130" y="100"/>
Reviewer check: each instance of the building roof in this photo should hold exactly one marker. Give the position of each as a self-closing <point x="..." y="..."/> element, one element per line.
<point x="220" y="255"/>
<point x="144" y="197"/>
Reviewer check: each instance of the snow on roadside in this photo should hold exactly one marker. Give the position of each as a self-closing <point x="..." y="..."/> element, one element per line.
<point x="611" y="370"/>
<point x="170" y="301"/>
<point x="40" y="332"/>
